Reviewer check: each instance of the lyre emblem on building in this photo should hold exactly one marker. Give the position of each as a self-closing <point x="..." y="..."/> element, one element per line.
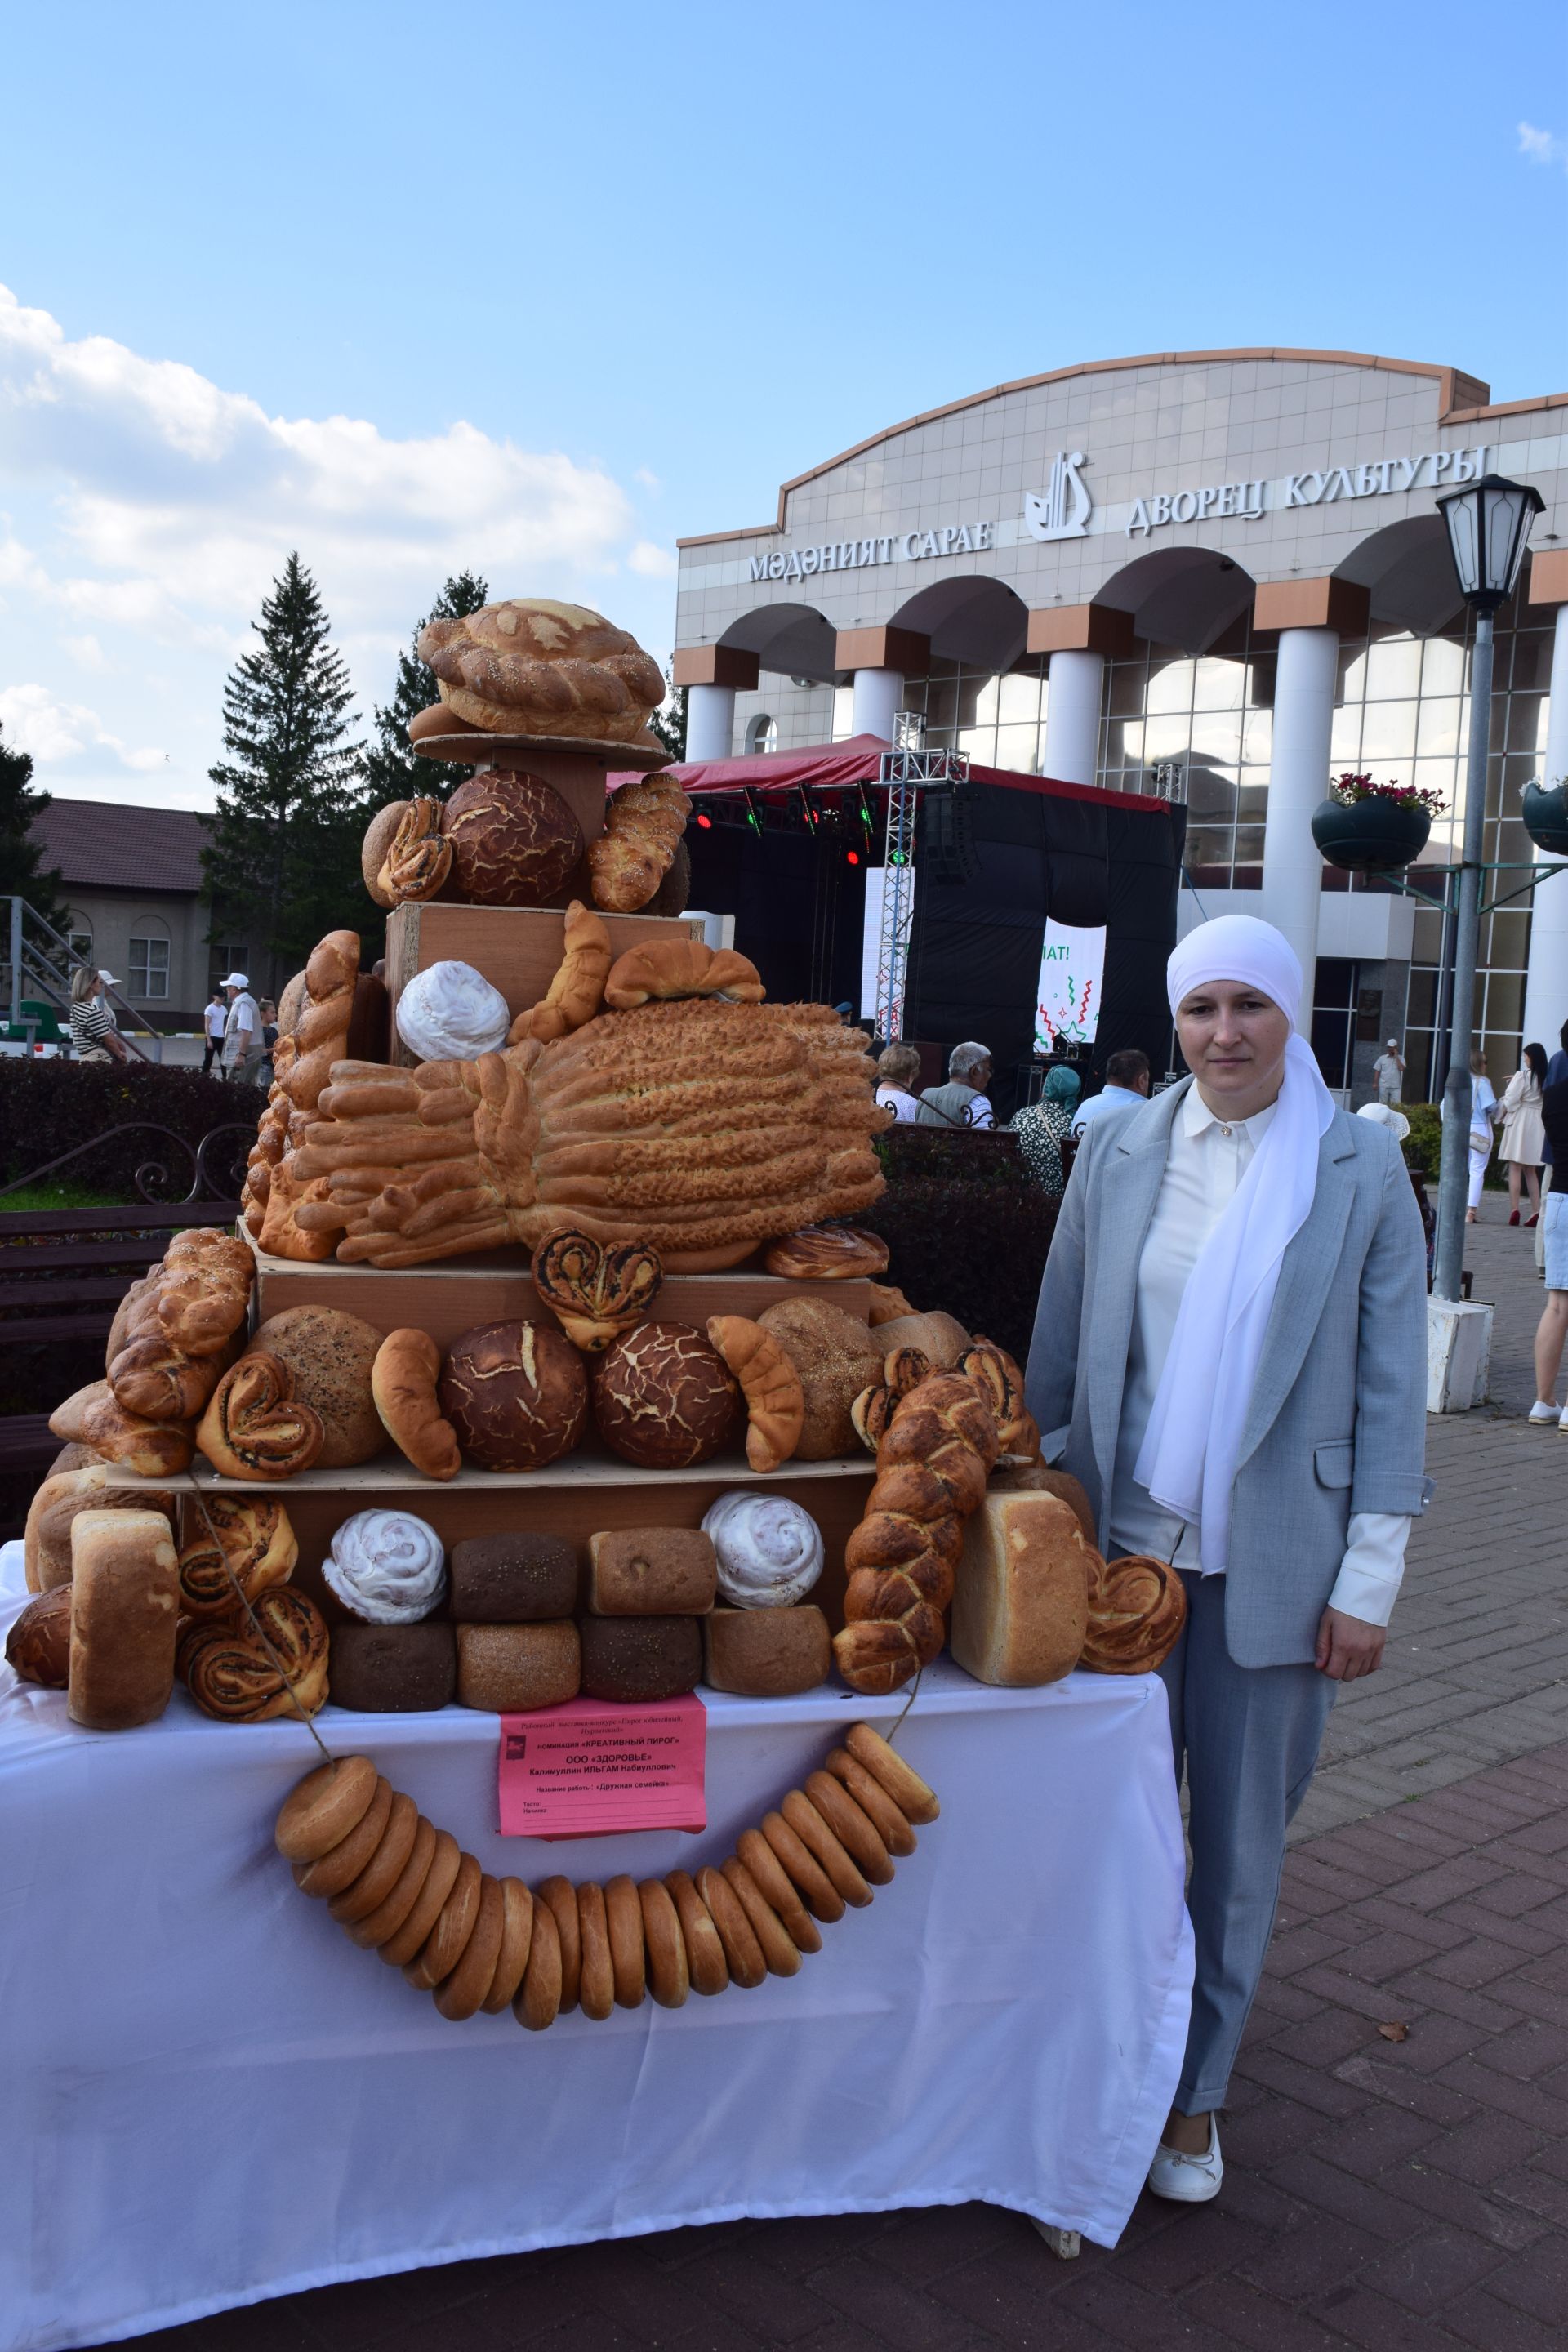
<point x="1065" y="510"/>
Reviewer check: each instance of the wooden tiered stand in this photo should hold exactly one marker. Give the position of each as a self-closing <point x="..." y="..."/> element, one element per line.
<point x="519" y="950"/>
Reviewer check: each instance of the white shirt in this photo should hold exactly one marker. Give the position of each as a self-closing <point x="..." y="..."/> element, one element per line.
<point x="1108" y="1099"/>
<point x="1206" y="1160"/>
<point x="981" y="1113"/>
<point x="239" y="1023"/>
<point x="216" y="1020"/>
<point x="902" y="1106"/>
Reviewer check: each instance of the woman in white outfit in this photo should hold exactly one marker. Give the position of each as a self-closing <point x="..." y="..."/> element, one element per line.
<point x="1524" y="1131"/>
<point x="1483" y="1110"/>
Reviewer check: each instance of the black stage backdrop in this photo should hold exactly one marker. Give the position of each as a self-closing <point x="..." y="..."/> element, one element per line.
<point x="975" y="955"/>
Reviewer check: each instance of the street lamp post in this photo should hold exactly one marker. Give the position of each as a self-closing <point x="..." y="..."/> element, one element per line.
<point x="1488" y="524"/>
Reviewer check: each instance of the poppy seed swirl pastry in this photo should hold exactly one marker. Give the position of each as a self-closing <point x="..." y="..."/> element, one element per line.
<point x="387" y="1567"/>
<point x="247" y="1544"/>
<point x="1137" y="1609"/>
<point x="253" y="1428"/>
<point x="691" y="1126"/>
<point x="231" y="1674"/>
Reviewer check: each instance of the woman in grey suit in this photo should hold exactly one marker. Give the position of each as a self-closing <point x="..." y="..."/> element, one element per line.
<point x="1230" y="1352"/>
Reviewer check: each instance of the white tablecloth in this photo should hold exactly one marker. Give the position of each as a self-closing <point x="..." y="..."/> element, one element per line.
<point x="210" y="2096"/>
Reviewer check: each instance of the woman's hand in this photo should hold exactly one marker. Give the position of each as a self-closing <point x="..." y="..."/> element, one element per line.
<point x="1348" y="1647"/>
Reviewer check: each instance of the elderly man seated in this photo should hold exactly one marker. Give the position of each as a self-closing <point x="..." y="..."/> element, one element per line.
<point x="962" y="1102"/>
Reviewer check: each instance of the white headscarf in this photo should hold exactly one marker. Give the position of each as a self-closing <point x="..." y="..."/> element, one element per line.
<point x="1188" y="1457"/>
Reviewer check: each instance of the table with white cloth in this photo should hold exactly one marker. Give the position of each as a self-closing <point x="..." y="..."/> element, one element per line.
<point x="211" y="2095"/>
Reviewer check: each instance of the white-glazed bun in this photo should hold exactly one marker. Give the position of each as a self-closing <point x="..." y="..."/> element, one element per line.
<point x="451" y="1013"/>
<point x="769" y="1550"/>
<point x="387" y="1566"/>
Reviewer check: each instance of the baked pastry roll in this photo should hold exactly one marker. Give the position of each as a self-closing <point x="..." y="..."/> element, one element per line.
<point x="233" y="1674"/>
<point x="237" y="1549"/>
<point x="253" y="1428"/>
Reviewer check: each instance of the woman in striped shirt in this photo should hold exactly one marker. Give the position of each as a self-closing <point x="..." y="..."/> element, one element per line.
<point x="93" y="1032"/>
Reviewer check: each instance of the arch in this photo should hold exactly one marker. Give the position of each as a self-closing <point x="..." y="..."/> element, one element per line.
<point x="795" y="639"/>
<point x="1409" y="574"/>
<point x="1186" y="597"/>
<point x="761" y="734"/>
<point x="972" y="619"/>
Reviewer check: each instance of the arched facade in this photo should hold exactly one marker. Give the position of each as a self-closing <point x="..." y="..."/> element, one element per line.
<point x="1218" y="575"/>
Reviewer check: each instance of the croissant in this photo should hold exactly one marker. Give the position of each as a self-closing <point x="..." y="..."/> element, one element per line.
<point x="577" y="991"/>
<point x="249" y="1545"/>
<point x="690" y="1127"/>
<point x="1137" y="1609"/>
<point x="321" y="1033"/>
<point x="631" y="857"/>
<point x="776" y="1401"/>
<point x="932" y="1463"/>
<point x="403" y="1382"/>
<point x="419" y="859"/>
<point x="233" y="1673"/>
<point x="666" y="968"/>
<point x="94" y="1416"/>
<point x="253" y="1428"/>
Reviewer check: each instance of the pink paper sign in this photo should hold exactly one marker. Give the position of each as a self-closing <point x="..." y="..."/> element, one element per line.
<point x="593" y="1767"/>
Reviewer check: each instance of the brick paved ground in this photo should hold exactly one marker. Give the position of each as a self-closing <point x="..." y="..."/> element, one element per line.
<point x="1385" y="2194"/>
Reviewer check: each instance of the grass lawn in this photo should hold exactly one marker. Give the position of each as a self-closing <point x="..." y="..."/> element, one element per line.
<point x="28" y="1199"/>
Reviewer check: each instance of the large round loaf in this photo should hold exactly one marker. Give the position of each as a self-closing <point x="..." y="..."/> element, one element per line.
<point x="330" y="1356"/>
<point x="836" y="1357"/>
<point x="516" y="1394"/>
<point x="529" y="666"/>
<point x="513" y="840"/>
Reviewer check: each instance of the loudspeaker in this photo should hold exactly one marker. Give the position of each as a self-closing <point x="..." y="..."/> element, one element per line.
<point x="947" y="849"/>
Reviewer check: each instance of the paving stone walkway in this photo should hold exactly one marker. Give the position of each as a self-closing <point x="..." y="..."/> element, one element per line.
<point x="1397" y="2139"/>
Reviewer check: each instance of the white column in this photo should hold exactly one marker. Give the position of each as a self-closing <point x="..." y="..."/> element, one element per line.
<point x="1072" y="716"/>
<point x="1304" y="679"/>
<point x="878" y="697"/>
<point x="710" y="721"/>
<point x="1546" y="984"/>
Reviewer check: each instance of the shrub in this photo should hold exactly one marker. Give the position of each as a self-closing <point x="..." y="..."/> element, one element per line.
<point x="47" y="1109"/>
<point x="967" y="1226"/>
<point x="1423" y="1147"/>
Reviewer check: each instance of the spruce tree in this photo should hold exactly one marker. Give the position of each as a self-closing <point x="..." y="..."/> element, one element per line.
<point x="393" y="770"/>
<point x="667" y="724"/>
<point x="23" y="874"/>
<point x="282" y="862"/>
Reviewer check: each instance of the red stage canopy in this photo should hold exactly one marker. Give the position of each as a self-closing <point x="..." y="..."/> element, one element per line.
<point x="827" y="767"/>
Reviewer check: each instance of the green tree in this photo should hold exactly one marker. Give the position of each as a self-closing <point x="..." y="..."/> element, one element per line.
<point x="23" y="874"/>
<point x="667" y="724"/>
<point x="281" y="863"/>
<point x="393" y="770"/>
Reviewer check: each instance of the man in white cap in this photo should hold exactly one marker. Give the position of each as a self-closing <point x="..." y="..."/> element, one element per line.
<point x="242" y="1030"/>
<point x="1389" y="1072"/>
<point x="1230" y="1353"/>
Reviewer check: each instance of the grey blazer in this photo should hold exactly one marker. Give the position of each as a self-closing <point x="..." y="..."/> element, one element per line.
<point x="1338" y="1420"/>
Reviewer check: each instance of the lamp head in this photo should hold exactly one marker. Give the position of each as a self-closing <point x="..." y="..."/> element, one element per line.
<point x="1488" y="524"/>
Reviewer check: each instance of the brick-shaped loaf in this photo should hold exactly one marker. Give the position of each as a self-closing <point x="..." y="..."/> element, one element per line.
<point x="640" y="1658"/>
<point x="125" y="1608"/>
<point x="394" y="1669"/>
<point x="652" y="1572"/>
<point x="511" y="1580"/>
<point x="512" y="1669"/>
<point x="1020" y="1607"/>
<point x="766" y="1653"/>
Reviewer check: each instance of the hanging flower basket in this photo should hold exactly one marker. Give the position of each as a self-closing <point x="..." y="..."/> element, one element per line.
<point x="1368" y="828"/>
<point x="1546" y="816"/>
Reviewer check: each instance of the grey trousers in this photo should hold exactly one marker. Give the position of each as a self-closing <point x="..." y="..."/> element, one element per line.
<point x="1248" y="1737"/>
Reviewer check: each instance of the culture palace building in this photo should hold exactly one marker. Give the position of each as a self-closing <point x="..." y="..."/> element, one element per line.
<point x="1220" y="576"/>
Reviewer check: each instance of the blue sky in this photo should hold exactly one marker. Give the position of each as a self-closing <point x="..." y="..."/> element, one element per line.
<point x="543" y="288"/>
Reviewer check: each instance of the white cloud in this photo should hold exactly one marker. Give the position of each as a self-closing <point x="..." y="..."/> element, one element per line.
<point x="37" y="721"/>
<point x="653" y="562"/>
<point x="86" y="652"/>
<point x="1542" y="146"/>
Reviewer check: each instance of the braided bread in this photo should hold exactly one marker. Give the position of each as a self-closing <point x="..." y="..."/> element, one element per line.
<point x="321" y="1033"/>
<point x="644" y="823"/>
<point x="932" y="1463"/>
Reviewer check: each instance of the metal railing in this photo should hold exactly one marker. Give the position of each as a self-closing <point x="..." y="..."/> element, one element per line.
<point x="32" y="972"/>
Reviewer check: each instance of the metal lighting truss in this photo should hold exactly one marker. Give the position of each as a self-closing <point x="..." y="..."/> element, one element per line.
<point x="904" y="772"/>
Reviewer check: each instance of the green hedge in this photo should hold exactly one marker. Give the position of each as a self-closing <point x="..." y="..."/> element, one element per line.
<point x="46" y="1108"/>
<point x="967" y="1226"/>
<point x="1424" y="1147"/>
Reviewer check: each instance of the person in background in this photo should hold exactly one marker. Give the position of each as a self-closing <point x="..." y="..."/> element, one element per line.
<point x="1126" y="1086"/>
<point x="1553" y="1328"/>
<point x="962" y="1102"/>
<point x="1556" y="1071"/>
<point x="1230" y="1353"/>
<point x="1523" y="1134"/>
<point x="242" y="1030"/>
<point x="1389" y="1071"/>
<point x="1045" y="1126"/>
<point x="898" y="1068"/>
<point x="93" y="1032"/>
<point x="268" y="1039"/>
<point x="1483" y="1110"/>
<point x="215" y="1020"/>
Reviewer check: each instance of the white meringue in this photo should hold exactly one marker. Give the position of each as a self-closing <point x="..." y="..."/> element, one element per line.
<point x="449" y="1012"/>
<point x="770" y="1552"/>
<point x="387" y="1566"/>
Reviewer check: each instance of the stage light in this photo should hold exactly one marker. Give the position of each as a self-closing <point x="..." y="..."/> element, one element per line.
<point x="706" y="822"/>
<point x="854" y="857"/>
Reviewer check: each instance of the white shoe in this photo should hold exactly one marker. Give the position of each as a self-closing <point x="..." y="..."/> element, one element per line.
<point x="1540" y="1415"/>
<point x="1189" y="2180"/>
<point x="1563" y="1420"/>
